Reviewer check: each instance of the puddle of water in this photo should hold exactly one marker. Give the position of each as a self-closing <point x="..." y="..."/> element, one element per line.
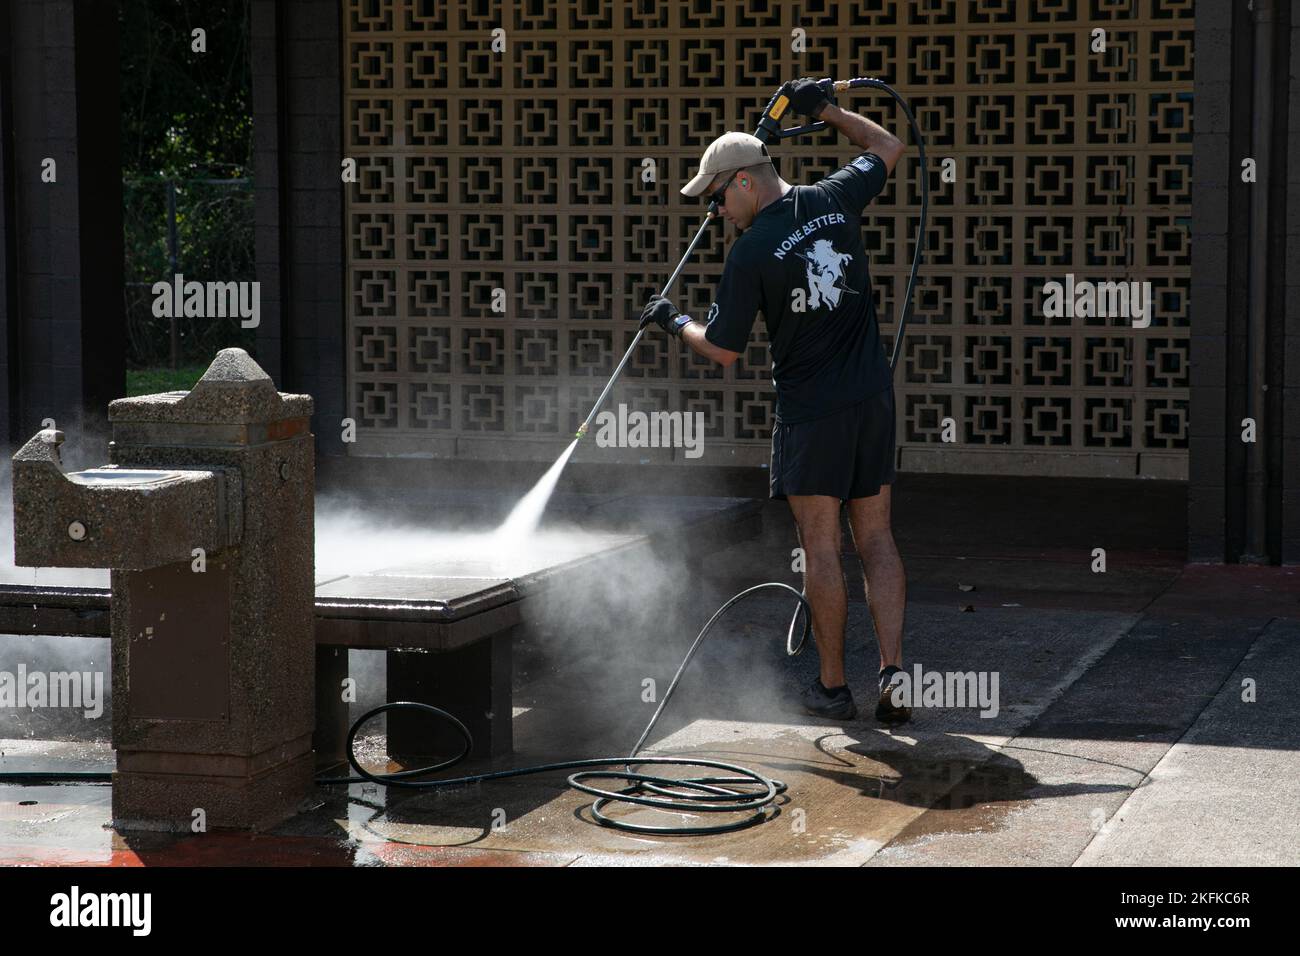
<point x="959" y="795"/>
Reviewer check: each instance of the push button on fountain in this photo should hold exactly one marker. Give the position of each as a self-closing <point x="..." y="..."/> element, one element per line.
<point x="142" y="517"/>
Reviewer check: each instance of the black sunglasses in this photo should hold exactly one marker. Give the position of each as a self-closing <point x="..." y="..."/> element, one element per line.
<point x="720" y="193"/>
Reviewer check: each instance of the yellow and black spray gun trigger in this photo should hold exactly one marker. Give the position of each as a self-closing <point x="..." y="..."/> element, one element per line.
<point x="769" y="129"/>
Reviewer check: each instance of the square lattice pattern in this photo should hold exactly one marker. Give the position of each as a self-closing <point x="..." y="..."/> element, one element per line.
<point x="515" y="179"/>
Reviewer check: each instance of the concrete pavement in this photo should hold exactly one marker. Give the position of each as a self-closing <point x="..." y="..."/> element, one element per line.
<point x="1124" y="732"/>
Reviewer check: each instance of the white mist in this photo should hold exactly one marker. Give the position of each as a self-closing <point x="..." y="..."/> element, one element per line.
<point x="527" y="515"/>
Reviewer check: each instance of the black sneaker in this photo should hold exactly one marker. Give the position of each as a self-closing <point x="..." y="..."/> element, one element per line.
<point x="836" y="704"/>
<point x="887" y="712"/>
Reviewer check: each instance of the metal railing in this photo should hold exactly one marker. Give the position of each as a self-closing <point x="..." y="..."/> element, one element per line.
<point x="201" y="228"/>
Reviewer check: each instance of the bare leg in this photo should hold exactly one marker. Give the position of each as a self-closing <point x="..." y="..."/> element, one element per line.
<point x="818" y="518"/>
<point x="882" y="570"/>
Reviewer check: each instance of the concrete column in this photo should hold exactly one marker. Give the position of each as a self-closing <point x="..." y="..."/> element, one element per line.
<point x="299" y="227"/>
<point x="1226" y="247"/>
<point x="331" y="736"/>
<point x="472" y="683"/>
<point x="63" y="347"/>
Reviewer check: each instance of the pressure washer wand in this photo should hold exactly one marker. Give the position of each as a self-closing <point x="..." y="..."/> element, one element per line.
<point x="672" y="279"/>
<point x="769" y="128"/>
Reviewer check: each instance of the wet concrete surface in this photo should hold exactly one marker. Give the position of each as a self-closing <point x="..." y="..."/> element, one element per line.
<point x="1121" y="735"/>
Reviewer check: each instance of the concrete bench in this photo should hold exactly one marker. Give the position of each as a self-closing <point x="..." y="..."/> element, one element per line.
<point x="447" y="625"/>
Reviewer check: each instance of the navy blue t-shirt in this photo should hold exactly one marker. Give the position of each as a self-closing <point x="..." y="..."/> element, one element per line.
<point x="802" y="264"/>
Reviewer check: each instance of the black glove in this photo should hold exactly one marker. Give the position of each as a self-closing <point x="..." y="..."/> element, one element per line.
<point x="808" y="96"/>
<point x="659" y="311"/>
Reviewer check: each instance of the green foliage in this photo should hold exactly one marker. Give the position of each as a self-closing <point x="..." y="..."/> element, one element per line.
<point x="187" y="120"/>
<point x="214" y="241"/>
<point x="147" y="381"/>
<point x="186" y="113"/>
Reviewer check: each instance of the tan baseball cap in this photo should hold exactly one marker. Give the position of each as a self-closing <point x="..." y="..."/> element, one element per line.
<point x="729" y="151"/>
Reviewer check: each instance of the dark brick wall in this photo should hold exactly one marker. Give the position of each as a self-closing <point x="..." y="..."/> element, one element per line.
<point x="8" y="234"/>
<point x="100" y="322"/>
<point x="297" y="149"/>
<point x="1288" y="497"/>
<point x="64" y="338"/>
<point x="1221" y="235"/>
<point x="1211" y="222"/>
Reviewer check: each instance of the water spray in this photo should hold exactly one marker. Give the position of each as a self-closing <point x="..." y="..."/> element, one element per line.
<point x="672" y="280"/>
<point x="743" y="792"/>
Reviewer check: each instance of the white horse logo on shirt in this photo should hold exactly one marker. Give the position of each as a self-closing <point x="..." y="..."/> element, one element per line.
<point x="825" y="270"/>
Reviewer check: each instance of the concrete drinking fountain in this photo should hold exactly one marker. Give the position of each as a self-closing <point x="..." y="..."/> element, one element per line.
<point x="205" y="516"/>
<point x="229" y="656"/>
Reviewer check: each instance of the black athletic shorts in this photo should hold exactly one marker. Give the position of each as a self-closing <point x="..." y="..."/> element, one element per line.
<point x="847" y="454"/>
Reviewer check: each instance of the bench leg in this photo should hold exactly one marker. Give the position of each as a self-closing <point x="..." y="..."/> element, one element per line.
<point x="472" y="683"/>
<point x="331" y="733"/>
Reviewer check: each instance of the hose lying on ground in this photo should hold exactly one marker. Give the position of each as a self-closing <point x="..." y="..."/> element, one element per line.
<point x="744" y="791"/>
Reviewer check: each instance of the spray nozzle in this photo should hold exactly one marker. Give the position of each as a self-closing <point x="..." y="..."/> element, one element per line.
<point x="582" y="430"/>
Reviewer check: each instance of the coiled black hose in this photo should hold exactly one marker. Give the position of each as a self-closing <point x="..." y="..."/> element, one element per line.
<point x="745" y="791"/>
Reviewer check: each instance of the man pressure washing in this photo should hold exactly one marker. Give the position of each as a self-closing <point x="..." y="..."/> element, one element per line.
<point x="800" y="261"/>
